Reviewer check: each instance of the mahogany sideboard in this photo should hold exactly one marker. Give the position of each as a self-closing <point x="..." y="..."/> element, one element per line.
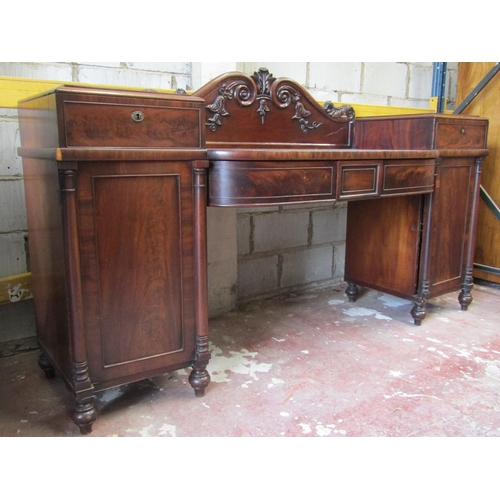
<point x="116" y="196"/>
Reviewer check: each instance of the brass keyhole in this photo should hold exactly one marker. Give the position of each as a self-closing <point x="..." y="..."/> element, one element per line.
<point x="137" y="116"/>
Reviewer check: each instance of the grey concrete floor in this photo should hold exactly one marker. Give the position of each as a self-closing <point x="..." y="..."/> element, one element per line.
<point x="312" y="365"/>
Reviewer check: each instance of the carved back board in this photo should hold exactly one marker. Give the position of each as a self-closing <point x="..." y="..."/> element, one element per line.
<point x="264" y="112"/>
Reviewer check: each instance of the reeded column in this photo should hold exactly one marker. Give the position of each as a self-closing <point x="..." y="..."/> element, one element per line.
<point x="199" y="377"/>
<point x="465" y="297"/>
<point x="418" y="312"/>
<point x="85" y="411"/>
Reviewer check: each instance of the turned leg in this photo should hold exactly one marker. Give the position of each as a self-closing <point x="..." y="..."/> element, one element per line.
<point x="465" y="297"/>
<point x="199" y="378"/>
<point x="46" y="366"/>
<point x="418" y="312"/>
<point x="84" y="415"/>
<point x="84" y="410"/>
<point x="352" y="292"/>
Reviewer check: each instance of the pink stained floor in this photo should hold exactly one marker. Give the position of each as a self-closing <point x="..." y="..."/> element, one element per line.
<point x="313" y="365"/>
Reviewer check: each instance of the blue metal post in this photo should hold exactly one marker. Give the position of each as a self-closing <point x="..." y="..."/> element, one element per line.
<point x="438" y="84"/>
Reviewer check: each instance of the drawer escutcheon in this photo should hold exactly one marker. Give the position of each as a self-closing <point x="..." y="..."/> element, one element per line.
<point x="137" y="116"/>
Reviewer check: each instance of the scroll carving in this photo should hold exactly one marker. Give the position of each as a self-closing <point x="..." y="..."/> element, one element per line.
<point x="263" y="88"/>
<point x="242" y="92"/>
<point x="343" y="113"/>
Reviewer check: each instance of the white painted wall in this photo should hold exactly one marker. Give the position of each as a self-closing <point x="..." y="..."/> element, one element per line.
<point x="246" y="259"/>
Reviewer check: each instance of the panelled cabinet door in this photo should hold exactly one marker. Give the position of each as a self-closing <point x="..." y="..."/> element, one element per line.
<point x="451" y="223"/>
<point x="136" y="226"/>
<point x="393" y="243"/>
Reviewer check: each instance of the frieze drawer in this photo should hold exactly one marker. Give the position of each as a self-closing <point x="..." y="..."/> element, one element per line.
<point x="242" y="183"/>
<point x="359" y="179"/>
<point x="130" y="125"/>
<point x="408" y="176"/>
<point x="128" y="119"/>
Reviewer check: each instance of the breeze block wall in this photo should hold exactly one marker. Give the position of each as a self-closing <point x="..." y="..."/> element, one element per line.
<point x="290" y="248"/>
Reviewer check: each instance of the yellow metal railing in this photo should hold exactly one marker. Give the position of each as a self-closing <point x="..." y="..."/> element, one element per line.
<point x="13" y="90"/>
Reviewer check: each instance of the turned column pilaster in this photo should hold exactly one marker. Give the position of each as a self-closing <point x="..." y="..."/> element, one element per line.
<point x="85" y="412"/>
<point x="199" y="377"/>
<point x="465" y="296"/>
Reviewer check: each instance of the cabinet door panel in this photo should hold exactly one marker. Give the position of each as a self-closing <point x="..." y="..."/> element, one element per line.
<point x="137" y="257"/>
<point x="450" y="226"/>
<point x="383" y="243"/>
<point x="140" y="287"/>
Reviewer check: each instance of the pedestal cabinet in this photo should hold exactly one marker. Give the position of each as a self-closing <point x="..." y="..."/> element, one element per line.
<point x="419" y="247"/>
<point x="116" y="201"/>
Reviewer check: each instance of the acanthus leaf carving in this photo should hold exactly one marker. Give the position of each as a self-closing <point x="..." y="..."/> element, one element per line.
<point x="263" y="78"/>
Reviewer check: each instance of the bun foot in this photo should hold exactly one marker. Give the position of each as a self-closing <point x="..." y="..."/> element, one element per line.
<point x="46" y="366"/>
<point x="352" y="292"/>
<point x="418" y="313"/>
<point x="465" y="299"/>
<point x="199" y="380"/>
<point x="84" y="416"/>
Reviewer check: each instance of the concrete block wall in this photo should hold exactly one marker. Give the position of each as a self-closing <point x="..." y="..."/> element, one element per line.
<point x="13" y="226"/>
<point x="168" y="75"/>
<point x="290" y="248"/>
<point x="379" y="83"/>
